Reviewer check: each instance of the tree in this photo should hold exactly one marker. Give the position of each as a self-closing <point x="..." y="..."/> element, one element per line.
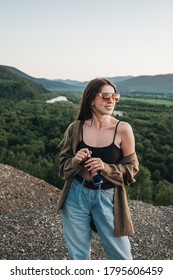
<point x="164" y="194"/>
<point x="156" y="175"/>
<point x="142" y="188"/>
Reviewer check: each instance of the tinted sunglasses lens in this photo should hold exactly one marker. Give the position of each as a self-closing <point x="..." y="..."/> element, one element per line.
<point x="106" y="96"/>
<point x="117" y="97"/>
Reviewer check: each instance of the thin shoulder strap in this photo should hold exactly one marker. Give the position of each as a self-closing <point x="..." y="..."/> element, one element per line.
<point x="115" y="131"/>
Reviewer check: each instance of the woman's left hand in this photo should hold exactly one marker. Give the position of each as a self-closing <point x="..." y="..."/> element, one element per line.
<point x="94" y="165"/>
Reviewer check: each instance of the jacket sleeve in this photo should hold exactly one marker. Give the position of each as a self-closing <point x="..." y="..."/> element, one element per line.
<point x="67" y="167"/>
<point x="122" y="173"/>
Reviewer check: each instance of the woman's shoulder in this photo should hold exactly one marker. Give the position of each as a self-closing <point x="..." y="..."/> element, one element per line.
<point x="124" y="126"/>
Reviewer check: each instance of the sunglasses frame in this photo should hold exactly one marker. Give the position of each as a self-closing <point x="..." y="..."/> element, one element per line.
<point x="105" y="99"/>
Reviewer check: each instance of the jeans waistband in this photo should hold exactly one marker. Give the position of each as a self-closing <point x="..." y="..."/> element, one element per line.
<point x="90" y="185"/>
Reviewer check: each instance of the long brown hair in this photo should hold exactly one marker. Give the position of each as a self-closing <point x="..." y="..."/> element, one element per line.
<point x="92" y="88"/>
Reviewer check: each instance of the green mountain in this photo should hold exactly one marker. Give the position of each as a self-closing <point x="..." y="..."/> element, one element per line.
<point x="52" y="85"/>
<point x="60" y="84"/>
<point x="13" y="85"/>
<point x="149" y="84"/>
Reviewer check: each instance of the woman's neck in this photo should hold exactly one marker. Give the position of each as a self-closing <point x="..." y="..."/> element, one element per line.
<point x="100" y="122"/>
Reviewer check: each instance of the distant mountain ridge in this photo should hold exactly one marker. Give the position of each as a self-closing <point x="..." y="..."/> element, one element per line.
<point x="162" y="83"/>
<point x="51" y="85"/>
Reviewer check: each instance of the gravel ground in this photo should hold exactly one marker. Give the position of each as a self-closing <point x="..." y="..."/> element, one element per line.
<point x="30" y="227"/>
<point x="38" y="234"/>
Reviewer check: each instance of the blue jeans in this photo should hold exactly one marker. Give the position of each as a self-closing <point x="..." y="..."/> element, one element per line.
<point x="78" y="207"/>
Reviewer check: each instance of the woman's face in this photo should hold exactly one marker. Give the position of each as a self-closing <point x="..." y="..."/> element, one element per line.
<point x="104" y="101"/>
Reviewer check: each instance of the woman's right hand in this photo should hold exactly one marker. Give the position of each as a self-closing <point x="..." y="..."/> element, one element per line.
<point x="81" y="155"/>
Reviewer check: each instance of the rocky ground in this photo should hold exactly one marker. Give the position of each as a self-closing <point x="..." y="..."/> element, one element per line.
<point x="30" y="227"/>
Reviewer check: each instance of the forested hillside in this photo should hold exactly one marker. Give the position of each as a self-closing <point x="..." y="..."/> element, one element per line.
<point x="31" y="131"/>
<point x="14" y="86"/>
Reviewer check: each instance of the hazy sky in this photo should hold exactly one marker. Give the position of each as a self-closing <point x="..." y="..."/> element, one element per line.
<point x="83" y="39"/>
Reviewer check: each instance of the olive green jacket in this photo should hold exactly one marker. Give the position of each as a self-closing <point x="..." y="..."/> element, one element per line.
<point x="120" y="174"/>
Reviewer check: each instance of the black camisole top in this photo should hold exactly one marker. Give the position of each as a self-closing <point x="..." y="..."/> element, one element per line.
<point x="110" y="154"/>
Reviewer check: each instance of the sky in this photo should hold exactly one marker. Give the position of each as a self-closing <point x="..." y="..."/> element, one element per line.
<point x="84" y="39"/>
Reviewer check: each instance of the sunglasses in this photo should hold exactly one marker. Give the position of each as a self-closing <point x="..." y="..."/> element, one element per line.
<point x="106" y="96"/>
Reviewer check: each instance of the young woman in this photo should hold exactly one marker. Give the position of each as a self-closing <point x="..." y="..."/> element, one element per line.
<point x="97" y="160"/>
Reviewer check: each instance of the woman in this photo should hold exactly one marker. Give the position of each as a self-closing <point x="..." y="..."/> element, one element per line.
<point x="97" y="143"/>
